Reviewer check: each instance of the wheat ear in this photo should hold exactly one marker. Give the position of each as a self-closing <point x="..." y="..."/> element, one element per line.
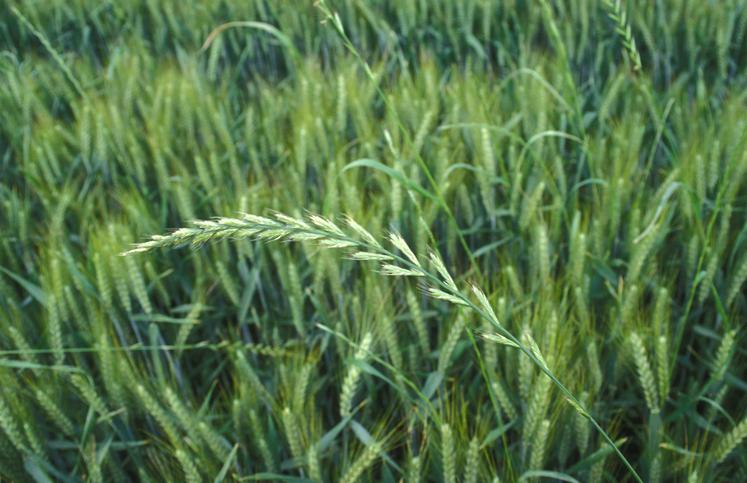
<point x="617" y="13"/>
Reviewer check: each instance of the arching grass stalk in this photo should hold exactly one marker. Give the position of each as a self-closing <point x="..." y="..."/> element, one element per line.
<point x="362" y="246"/>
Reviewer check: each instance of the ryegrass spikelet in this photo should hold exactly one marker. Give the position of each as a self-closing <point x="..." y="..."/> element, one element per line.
<point x="332" y="243"/>
<point x="362" y="232"/>
<point x="281" y="217"/>
<point x="370" y="256"/>
<point x="325" y="224"/>
<point x="400" y="243"/>
<point x="396" y="271"/>
<point x="441" y="295"/>
<point x="485" y="304"/>
<point x="438" y="264"/>
<point x="535" y="350"/>
<point x="499" y="339"/>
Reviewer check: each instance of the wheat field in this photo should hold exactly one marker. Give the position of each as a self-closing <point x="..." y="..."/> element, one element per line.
<point x="367" y="240"/>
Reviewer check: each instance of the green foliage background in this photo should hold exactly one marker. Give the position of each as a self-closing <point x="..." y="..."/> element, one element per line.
<point x="601" y="210"/>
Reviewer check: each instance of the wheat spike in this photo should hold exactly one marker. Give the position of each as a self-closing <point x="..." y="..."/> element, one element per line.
<point x="617" y="13"/>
